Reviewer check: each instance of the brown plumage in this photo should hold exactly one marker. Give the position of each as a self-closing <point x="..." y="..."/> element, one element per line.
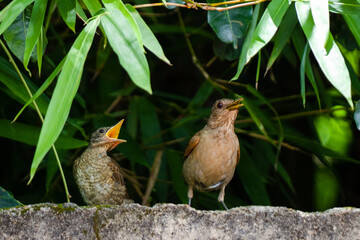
<point x="97" y="175"/>
<point x="214" y="151"/>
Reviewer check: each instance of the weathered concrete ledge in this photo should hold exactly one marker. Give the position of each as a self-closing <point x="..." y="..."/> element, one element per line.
<point x="169" y="221"/>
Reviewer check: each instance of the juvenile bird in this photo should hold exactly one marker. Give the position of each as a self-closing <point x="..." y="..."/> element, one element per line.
<point x="97" y="175"/>
<point x="214" y="151"/>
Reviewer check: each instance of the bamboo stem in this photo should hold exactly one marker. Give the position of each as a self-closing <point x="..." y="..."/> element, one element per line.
<point x="39" y="113"/>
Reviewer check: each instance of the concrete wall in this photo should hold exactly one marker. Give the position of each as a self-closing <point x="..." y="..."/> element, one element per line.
<point x="168" y="221"/>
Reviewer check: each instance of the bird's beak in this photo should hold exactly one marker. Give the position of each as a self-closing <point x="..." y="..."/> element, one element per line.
<point x="113" y="133"/>
<point x="235" y="105"/>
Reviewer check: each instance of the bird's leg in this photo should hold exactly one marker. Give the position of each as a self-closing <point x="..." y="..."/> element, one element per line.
<point x="221" y="197"/>
<point x="190" y="194"/>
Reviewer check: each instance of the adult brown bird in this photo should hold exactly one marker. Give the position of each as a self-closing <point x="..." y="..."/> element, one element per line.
<point x="97" y="175"/>
<point x="214" y="151"/>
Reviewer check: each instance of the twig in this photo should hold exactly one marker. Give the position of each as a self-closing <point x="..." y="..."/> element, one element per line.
<point x="262" y="137"/>
<point x="153" y="176"/>
<point x="40" y="116"/>
<point x="113" y="105"/>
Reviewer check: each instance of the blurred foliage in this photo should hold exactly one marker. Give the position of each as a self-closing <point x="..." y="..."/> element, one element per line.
<point x="161" y="69"/>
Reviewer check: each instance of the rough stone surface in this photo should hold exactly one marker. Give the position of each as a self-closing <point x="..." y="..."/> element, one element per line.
<point x="168" y="221"/>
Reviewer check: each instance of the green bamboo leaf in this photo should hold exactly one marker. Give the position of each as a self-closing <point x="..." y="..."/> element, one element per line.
<point x="128" y="49"/>
<point x="175" y="166"/>
<point x="132" y="150"/>
<point x="334" y="133"/>
<point x="201" y="96"/>
<point x="304" y="59"/>
<point x="68" y="12"/>
<point x="299" y="44"/>
<point x="283" y="35"/>
<point x="16" y="90"/>
<point x="93" y="6"/>
<point x="133" y="117"/>
<point x="245" y="47"/>
<point x="326" y="189"/>
<point x="7" y="200"/>
<point x="11" y="12"/>
<point x="332" y="64"/>
<point x="267" y="26"/>
<point x="230" y="25"/>
<point x="320" y="13"/>
<point x="149" y="39"/>
<point x="43" y="87"/>
<point x="40" y="48"/>
<point x="252" y="180"/>
<point x="316" y="148"/>
<point x="119" y="5"/>
<point x="257" y="116"/>
<point x="80" y="11"/>
<point x="64" y="93"/>
<point x="353" y="23"/>
<point x="345" y="6"/>
<point x="357" y="115"/>
<point x="28" y="134"/>
<point x="15" y="35"/>
<point x="34" y="29"/>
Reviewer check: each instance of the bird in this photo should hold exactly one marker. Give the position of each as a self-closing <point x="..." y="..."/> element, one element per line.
<point x="213" y="152"/>
<point x="98" y="177"/>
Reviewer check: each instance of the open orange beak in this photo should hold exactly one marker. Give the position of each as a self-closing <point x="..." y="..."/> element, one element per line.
<point x="113" y="133"/>
<point x="236" y="104"/>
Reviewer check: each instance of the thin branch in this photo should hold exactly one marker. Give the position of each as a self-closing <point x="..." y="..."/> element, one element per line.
<point x="262" y="137"/>
<point x="205" y="6"/>
<point x="39" y="113"/>
<point x="153" y="176"/>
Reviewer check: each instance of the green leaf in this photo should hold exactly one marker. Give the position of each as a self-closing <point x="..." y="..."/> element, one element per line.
<point x="326" y="189"/>
<point x="7" y="200"/>
<point x="64" y="93"/>
<point x="43" y="87"/>
<point x="357" y="115"/>
<point x="133" y="117"/>
<point x="353" y="23"/>
<point x="252" y="180"/>
<point x="283" y="35"/>
<point x="344" y="6"/>
<point x="175" y="165"/>
<point x="40" y="48"/>
<point x="257" y="116"/>
<point x="334" y="133"/>
<point x="11" y="12"/>
<point x="128" y="49"/>
<point x="132" y="150"/>
<point x="149" y="121"/>
<point x="34" y="29"/>
<point x="299" y="44"/>
<point x="245" y="47"/>
<point x="201" y="95"/>
<point x="230" y="25"/>
<point x="28" y="134"/>
<point x="10" y="78"/>
<point x="332" y="64"/>
<point x="68" y="12"/>
<point x="316" y="148"/>
<point x="119" y="5"/>
<point x="149" y="40"/>
<point x="320" y="13"/>
<point x="305" y="58"/>
<point x="15" y="35"/>
<point x="267" y="26"/>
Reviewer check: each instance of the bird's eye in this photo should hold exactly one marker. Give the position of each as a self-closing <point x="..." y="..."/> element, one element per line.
<point x="220" y="105"/>
<point x="101" y="131"/>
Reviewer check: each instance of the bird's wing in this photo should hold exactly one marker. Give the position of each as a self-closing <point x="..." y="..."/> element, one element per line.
<point x="192" y="144"/>
<point x="116" y="172"/>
